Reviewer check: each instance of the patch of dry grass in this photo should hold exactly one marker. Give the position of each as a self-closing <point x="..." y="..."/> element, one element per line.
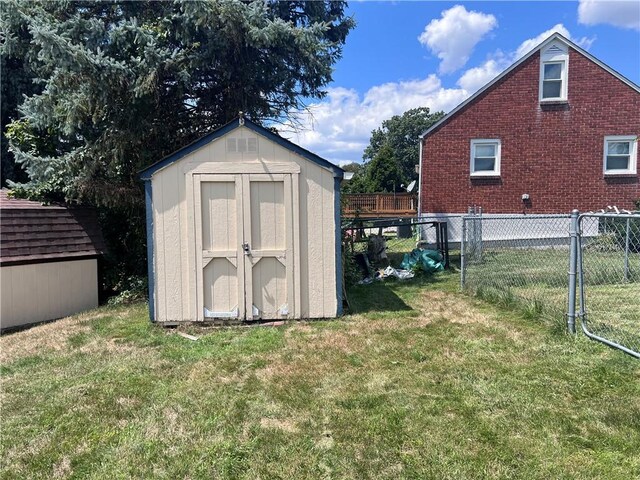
<point x="45" y="338"/>
<point x="434" y="385"/>
<point x="286" y="425"/>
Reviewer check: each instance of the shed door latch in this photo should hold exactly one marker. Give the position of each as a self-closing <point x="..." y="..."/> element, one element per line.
<point x="245" y="247"/>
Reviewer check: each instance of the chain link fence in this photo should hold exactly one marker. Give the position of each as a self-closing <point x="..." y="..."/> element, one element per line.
<point x="609" y="279"/>
<point x="519" y="259"/>
<point x="547" y="263"/>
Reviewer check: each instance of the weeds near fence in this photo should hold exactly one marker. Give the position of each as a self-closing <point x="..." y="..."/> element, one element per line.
<point x="523" y="262"/>
<point x="519" y="262"/>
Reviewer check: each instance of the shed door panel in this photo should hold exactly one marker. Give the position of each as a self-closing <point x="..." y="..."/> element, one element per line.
<point x="218" y="235"/>
<point x="269" y="267"/>
<point x="220" y="279"/>
<point x="244" y="242"/>
<point x="267" y="215"/>
<point x="219" y="204"/>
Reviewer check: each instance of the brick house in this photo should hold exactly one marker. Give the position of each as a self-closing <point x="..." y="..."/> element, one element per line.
<point x="557" y="130"/>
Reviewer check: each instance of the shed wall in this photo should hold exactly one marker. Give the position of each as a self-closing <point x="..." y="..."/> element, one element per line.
<point x="43" y="291"/>
<point x="175" y="257"/>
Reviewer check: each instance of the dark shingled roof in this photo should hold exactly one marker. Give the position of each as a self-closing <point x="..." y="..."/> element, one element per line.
<point x="33" y="233"/>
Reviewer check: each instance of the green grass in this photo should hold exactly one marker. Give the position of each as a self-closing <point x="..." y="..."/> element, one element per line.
<point x="419" y="382"/>
<point x="538" y="279"/>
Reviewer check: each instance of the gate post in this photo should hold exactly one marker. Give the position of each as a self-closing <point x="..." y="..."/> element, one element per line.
<point x="573" y="264"/>
<point x="626" y="251"/>
<point x="463" y="240"/>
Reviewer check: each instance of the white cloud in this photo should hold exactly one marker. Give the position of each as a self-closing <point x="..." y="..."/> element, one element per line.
<point x="339" y="127"/>
<point x="625" y="14"/>
<point x="528" y="45"/>
<point x="453" y="37"/>
<point x="475" y="78"/>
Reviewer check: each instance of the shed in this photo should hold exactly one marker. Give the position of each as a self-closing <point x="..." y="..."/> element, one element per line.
<point x="243" y="224"/>
<point x="48" y="261"/>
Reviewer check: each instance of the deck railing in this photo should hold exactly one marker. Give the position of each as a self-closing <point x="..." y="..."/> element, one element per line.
<point x="380" y="204"/>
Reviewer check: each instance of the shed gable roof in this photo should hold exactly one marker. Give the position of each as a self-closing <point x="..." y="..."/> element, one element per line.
<point x="542" y="45"/>
<point x="147" y="173"/>
<point x="32" y="233"/>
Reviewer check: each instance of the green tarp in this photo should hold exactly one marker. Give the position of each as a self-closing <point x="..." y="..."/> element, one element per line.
<point x="427" y="260"/>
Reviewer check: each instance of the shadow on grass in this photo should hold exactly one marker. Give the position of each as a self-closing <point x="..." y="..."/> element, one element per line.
<point x="389" y="295"/>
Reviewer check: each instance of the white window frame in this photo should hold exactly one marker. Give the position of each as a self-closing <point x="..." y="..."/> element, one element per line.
<point x="633" y="154"/>
<point x="555" y="52"/>
<point x="563" y="82"/>
<point x="496" y="167"/>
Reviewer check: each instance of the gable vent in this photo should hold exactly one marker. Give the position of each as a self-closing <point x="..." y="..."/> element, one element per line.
<point x="553" y="49"/>
<point x="242" y="145"/>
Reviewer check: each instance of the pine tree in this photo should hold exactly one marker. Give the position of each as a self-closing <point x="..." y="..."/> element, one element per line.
<point x="383" y="173"/>
<point x="122" y="84"/>
<point x="401" y="133"/>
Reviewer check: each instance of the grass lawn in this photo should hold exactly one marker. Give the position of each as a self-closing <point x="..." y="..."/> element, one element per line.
<point x="537" y="279"/>
<point x="419" y="382"/>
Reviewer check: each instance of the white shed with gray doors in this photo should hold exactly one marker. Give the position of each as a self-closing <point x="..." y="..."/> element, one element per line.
<point x="243" y="224"/>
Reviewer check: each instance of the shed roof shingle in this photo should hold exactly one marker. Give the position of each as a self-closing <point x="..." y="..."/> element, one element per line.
<point x="31" y="232"/>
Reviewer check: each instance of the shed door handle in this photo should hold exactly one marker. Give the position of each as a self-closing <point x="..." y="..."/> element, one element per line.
<point x="245" y="247"/>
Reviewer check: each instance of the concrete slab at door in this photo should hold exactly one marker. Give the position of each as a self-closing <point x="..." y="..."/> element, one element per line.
<point x="219" y="266"/>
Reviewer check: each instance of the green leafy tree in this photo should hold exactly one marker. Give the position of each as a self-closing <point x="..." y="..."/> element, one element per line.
<point x="353" y="167"/>
<point x="401" y="133"/>
<point x="383" y="173"/>
<point x="122" y="84"/>
<point x="356" y="183"/>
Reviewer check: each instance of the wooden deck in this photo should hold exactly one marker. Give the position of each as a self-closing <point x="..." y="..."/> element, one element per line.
<point x="380" y="205"/>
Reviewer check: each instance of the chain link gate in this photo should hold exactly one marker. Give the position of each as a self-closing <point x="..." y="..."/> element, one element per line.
<point x="523" y="259"/>
<point x="608" y="278"/>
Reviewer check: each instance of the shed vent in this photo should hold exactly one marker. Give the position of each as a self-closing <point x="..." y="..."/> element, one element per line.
<point x="242" y="145"/>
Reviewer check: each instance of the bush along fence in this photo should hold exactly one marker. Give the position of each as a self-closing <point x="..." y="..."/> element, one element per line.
<point x="523" y="259"/>
<point x="399" y="247"/>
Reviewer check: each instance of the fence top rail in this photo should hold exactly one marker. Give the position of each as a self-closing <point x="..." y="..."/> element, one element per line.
<point x="633" y="215"/>
<point x="383" y="223"/>
<point x="383" y="194"/>
<point x="512" y="216"/>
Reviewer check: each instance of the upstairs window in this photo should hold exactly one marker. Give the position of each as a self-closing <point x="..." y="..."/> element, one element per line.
<point x="552" y="80"/>
<point x="620" y="155"/>
<point x="554" y="62"/>
<point x="485" y="158"/>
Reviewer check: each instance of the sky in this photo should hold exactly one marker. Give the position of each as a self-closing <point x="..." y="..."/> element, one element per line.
<point x="407" y="54"/>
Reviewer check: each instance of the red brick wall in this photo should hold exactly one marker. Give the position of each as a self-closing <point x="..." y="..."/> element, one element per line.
<point x="553" y="153"/>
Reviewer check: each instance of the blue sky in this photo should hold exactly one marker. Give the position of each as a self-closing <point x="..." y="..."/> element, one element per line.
<point x="403" y="55"/>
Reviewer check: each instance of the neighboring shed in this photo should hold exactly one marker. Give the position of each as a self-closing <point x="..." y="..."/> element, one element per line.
<point x="243" y="224"/>
<point x="48" y="261"/>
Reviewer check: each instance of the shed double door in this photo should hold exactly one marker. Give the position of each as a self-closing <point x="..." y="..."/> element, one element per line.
<point x="244" y="246"/>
